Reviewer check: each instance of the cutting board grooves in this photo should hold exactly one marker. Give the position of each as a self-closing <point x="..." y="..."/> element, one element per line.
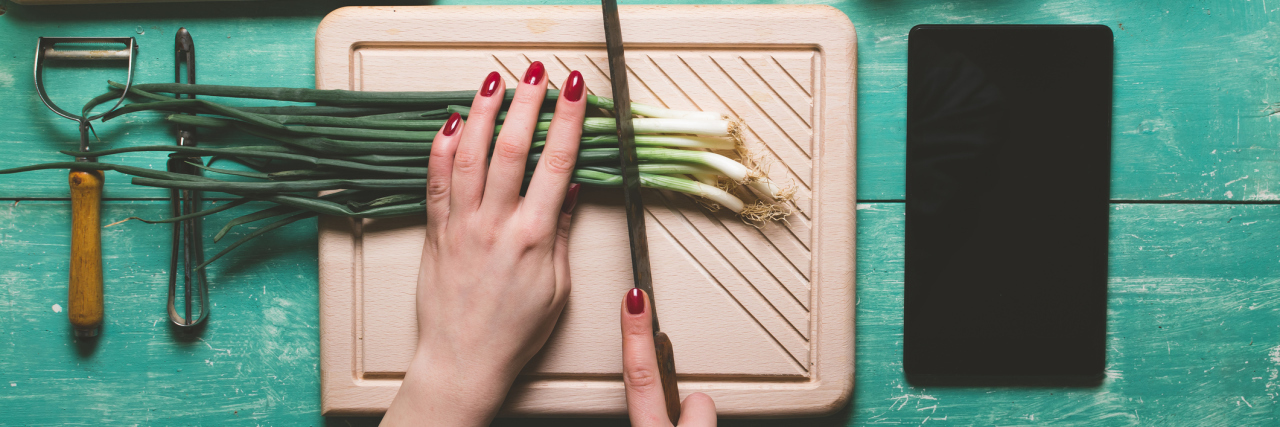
<point x="761" y="318"/>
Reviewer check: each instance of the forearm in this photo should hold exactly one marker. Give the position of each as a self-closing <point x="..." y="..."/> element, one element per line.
<point x="443" y="392"/>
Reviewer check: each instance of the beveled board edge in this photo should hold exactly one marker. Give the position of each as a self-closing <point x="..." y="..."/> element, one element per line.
<point x="822" y="27"/>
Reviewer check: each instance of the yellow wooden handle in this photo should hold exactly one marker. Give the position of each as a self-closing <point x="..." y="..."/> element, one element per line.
<point x="84" y="293"/>
<point x="667" y="373"/>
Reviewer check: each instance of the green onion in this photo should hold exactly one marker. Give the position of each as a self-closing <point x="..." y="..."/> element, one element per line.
<point x="262" y="214"/>
<point x="374" y="148"/>
<point x="287" y="186"/>
<point x="231" y="152"/>
<point x="256" y="233"/>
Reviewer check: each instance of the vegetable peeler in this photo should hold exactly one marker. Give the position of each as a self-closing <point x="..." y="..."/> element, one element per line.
<point x="84" y="291"/>
<point x="188" y="246"/>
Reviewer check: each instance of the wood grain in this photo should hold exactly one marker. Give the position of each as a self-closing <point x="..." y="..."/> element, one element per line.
<point x="1193" y="299"/>
<point x="1193" y="294"/>
<point x="762" y="317"/>
<point x="1191" y="330"/>
<point x="1175" y="136"/>
<point x="255" y="362"/>
<point x="84" y="290"/>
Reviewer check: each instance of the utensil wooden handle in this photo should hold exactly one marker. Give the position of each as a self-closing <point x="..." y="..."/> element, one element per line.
<point x="84" y="292"/>
<point x="667" y="373"/>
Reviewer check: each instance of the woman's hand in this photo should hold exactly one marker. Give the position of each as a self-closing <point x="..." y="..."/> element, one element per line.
<point x="495" y="267"/>
<point x="645" y="401"/>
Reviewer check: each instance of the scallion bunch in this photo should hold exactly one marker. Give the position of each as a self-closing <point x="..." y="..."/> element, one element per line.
<point x="368" y="152"/>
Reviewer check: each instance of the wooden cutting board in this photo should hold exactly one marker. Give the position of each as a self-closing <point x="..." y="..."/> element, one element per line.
<point x="761" y="318"/>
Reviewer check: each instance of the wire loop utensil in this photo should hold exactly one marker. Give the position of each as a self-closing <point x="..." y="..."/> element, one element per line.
<point x="188" y="241"/>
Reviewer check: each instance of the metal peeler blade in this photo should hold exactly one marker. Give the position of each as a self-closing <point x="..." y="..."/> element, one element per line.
<point x="188" y="245"/>
<point x="84" y="284"/>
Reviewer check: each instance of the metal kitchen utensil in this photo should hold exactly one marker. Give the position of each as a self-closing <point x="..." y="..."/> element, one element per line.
<point x="84" y="291"/>
<point x="188" y="242"/>
<point x="635" y="205"/>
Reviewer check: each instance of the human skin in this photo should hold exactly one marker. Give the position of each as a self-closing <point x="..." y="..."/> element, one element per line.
<point x="645" y="403"/>
<point x="494" y="276"/>
<point x="495" y="265"/>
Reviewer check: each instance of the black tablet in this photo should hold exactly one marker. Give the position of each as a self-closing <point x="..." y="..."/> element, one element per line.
<point x="1007" y="189"/>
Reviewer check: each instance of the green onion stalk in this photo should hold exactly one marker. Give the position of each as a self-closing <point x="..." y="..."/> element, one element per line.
<point x="369" y="152"/>
<point x="709" y="130"/>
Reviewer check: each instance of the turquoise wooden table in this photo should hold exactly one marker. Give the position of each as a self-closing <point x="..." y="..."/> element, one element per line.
<point x="1194" y="301"/>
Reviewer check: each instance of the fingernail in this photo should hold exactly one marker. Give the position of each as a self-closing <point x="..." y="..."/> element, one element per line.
<point x="451" y="125"/>
<point x="573" y="86"/>
<point x="635" y="301"/>
<point x="490" y="84"/>
<point x="570" y="198"/>
<point x="534" y="74"/>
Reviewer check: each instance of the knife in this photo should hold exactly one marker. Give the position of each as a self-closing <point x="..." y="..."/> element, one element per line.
<point x="634" y="205"/>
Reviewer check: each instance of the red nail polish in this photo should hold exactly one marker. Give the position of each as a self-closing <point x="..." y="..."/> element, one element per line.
<point x="635" y="301"/>
<point x="534" y="74"/>
<point x="573" y="87"/>
<point x="490" y="84"/>
<point x="570" y="198"/>
<point x="451" y="125"/>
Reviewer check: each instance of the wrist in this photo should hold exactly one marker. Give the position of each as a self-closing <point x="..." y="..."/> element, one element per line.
<point x="449" y="391"/>
<point x="489" y="377"/>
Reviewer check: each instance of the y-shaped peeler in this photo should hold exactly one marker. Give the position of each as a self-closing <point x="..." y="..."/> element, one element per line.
<point x="84" y="292"/>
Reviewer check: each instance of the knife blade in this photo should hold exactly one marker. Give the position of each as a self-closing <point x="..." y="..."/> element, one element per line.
<point x="634" y="204"/>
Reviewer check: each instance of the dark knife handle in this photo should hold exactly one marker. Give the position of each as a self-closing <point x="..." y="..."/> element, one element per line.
<point x="667" y="373"/>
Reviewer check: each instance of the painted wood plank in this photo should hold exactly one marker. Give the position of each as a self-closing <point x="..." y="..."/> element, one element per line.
<point x="1206" y="68"/>
<point x="1187" y="283"/>
<point x="1192" y="309"/>
<point x="1194" y="113"/>
<point x="256" y="362"/>
<point x="274" y="50"/>
<point x="1228" y="64"/>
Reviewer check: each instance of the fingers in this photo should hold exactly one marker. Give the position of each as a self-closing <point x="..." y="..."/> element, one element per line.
<point x="698" y="410"/>
<point x="645" y="403"/>
<point x="560" y="250"/>
<point x="555" y="167"/>
<point x="440" y="172"/>
<point x="511" y="151"/>
<point x="470" y="162"/>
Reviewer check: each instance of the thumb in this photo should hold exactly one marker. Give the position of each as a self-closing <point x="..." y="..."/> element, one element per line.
<point x="698" y="410"/>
